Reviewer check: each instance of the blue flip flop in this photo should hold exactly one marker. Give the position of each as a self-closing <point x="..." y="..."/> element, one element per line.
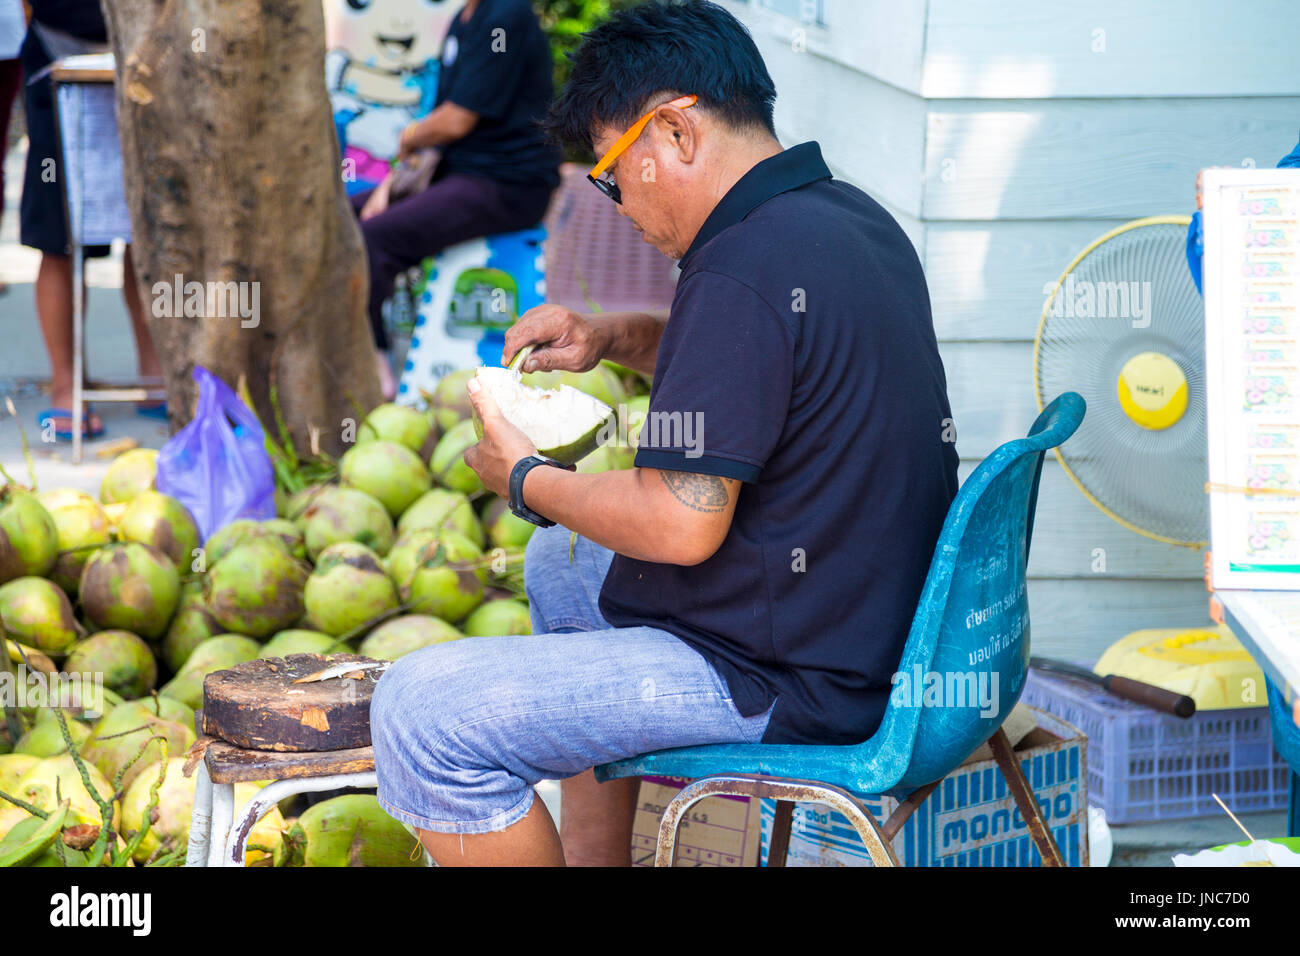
<point x="153" y="411"/>
<point x="53" y="413"/>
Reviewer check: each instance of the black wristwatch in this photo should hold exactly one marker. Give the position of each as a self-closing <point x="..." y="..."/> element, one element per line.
<point x="522" y="467"/>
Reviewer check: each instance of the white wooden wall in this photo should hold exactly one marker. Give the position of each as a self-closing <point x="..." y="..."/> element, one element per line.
<point x="1005" y="135"/>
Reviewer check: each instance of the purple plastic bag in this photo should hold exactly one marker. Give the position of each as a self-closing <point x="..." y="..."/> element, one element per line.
<point x="217" y="470"/>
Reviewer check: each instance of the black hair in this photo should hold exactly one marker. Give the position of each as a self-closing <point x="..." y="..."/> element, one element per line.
<point x="662" y="46"/>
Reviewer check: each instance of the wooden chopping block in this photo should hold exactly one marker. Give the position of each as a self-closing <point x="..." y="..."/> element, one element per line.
<point x="257" y="705"/>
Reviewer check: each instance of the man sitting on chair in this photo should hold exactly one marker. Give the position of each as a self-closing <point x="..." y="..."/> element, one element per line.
<point x="495" y="169"/>
<point x="754" y="577"/>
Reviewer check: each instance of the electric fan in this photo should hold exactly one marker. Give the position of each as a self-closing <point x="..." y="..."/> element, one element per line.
<point x="1124" y="327"/>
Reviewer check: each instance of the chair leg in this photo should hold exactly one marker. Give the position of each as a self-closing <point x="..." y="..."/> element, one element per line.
<point x="1024" y="796"/>
<point x="273" y="793"/>
<point x="753" y="786"/>
<point x="196" y="853"/>
<point x="905" y="810"/>
<point x="223" y="809"/>
<point x="779" y="846"/>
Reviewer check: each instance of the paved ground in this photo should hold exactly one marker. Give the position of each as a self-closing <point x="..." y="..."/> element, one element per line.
<point x="24" y="374"/>
<point x="24" y="368"/>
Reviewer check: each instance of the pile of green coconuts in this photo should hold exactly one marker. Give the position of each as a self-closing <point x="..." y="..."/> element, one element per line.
<point x="404" y="548"/>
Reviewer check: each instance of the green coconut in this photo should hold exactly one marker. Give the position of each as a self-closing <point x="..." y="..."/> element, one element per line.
<point x="256" y="588"/>
<point x="635" y="411"/>
<point x="82" y="527"/>
<point x="164" y="523"/>
<point x="290" y="536"/>
<point x="565" y="424"/>
<point x="121" y="734"/>
<point x="168" y="708"/>
<point x="37" y="612"/>
<point x="407" y="633"/>
<point x="131" y="473"/>
<point x="398" y="423"/>
<point x="45" y="738"/>
<point x="125" y="661"/>
<point x="350" y="830"/>
<point x="131" y="587"/>
<point x="448" y="461"/>
<point x="56" y="778"/>
<point x="401" y="560"/>
<point x="230" y="536"/>
<point x="169" y="826"/>
<point x="298" y="641"/>
<point x="29" y="538"/>
<point x="444" y="582"/>
<point x="345" y="514"/>
<point x="497" y="618"/>
<point x="607" y="458"/>
<point x="443" y="508"/>
<point x="215" y="654"/>
<point x="191" y="625"/>
<point x="348" y="588"/>
<point x="505" y="529"/>
<point x="389" y="472"/>
<point x="14" y="766"/>
<point x="296" y="505"/>
<point x="450" y="401"/>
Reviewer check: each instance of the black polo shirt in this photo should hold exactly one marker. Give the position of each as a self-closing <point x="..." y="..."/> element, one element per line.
<point x="498" y="64"/>
<point x="801" y="349"/>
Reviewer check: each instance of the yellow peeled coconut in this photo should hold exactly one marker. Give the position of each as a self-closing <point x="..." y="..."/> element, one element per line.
<point x="171" y="823"/>
<point x="38" y="786"/>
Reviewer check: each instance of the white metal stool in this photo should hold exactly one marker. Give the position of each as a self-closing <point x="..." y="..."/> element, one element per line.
<point x="218" y="836"/>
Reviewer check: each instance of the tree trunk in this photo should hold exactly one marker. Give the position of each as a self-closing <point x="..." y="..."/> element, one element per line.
<point x="232" y="174"/>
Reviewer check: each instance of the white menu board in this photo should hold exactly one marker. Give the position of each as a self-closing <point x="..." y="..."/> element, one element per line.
<point x="1251" y="281"/>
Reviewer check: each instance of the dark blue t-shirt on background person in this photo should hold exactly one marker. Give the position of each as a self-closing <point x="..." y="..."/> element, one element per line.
<point x="498" y="64"/>
<point x="801" y="352"/>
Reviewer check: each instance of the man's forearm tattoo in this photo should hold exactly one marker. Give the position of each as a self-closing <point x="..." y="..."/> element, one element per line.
<point x="700" y="492"/>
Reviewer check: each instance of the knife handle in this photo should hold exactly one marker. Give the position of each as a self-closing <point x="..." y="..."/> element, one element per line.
<point x="1157" y="698"/>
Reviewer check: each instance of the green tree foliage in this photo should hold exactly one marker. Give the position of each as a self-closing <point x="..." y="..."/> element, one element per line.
<point x="566" y="20"/>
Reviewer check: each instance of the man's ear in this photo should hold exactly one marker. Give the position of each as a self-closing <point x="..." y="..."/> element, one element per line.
<point x="678" y="132"/>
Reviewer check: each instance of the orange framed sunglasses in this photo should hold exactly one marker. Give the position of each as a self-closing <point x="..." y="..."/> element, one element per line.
<point x="623" y="142"/>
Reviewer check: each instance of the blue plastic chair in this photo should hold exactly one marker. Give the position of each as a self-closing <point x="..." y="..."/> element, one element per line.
<point x="972" y="620"/>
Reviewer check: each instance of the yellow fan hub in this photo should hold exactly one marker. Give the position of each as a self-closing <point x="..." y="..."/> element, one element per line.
<point x="1152" y="390"/>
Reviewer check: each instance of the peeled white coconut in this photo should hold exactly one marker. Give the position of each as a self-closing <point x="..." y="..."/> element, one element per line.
<point x="564" y="423"/>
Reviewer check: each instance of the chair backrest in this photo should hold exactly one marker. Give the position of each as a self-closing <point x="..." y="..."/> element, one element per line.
<point x="965" y="660"/>
<point x="596" y="257"/>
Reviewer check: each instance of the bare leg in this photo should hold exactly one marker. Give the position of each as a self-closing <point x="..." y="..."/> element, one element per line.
<point x="530" y="842"/>
<point x="596" y="820"/>
<point x="145" y="356"/>
<point x="54" y="309"/>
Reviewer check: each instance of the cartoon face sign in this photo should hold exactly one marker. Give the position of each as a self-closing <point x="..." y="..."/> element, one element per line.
<point x="396" y="35"/>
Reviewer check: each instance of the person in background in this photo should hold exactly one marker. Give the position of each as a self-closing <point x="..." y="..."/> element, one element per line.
<point x="62" y="28"/>
<point x="495" y="169"/>
<point x="13" y="27"/>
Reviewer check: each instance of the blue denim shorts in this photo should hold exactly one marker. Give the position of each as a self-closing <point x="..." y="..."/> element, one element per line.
<point x="462" y="731"/>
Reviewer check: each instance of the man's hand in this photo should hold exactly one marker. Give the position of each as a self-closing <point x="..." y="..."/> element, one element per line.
<point x="501" y="447"/>
<point x="573" y="343"/>
<point x="378" y="200"/>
